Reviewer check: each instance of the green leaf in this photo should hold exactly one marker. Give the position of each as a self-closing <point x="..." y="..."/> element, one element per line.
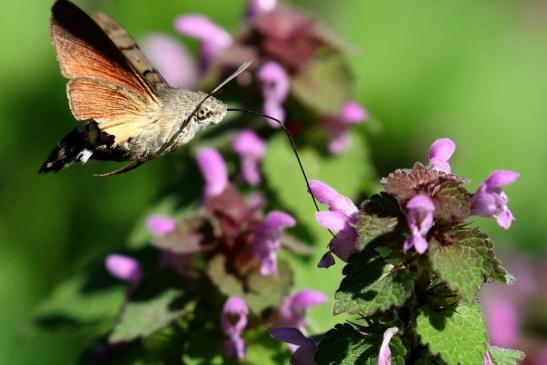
<point x="502" y="356"/>
<point x="262" y="349"/>
<point x="464" y="260"/>
<point x="458" y="336"/>
<point x="371" y="285"/>
<point x="341" y="171"/>
<point x="260" y="292"/>
<point x="264" y="292"/>
<point x="325" y="85"/>
<point x="494" y="269"/>
<point x="452" y="202"/>
<point x="82" y="298"/>
<point x="342" y="345"/>
<point x="345" y="345"/>
<point x="145" y="316"/>
<point x="378" y="215"/>
<point x="193" y="234"/>
<point x="228" y="284"/>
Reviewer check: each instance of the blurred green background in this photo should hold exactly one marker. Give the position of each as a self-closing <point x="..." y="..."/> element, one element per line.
<point x="471" y="70"/>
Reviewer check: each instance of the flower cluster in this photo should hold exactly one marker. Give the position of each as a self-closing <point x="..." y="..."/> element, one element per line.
<point x="289" y="51"/>
<point x="242" y="248"/>
<point x="422" y="210"/>
<point x="419" y="190"/>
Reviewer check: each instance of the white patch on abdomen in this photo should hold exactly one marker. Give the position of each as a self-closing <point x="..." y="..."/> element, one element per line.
<point x="84" y="155"/>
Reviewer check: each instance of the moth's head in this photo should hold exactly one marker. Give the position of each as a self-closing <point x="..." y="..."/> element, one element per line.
<point x="211" y="111"/>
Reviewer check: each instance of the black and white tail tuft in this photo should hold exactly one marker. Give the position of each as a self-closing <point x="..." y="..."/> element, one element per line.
<point x="74" y="147"/>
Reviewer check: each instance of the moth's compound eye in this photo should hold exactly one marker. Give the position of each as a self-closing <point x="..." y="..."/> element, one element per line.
<point x="203" y="112"/>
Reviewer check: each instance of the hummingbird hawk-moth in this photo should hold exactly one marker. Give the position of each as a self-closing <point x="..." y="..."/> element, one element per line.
<point x="133" y="114"/>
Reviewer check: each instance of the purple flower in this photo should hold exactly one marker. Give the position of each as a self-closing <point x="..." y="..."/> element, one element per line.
<point x="171" y="59"/>
<point x="420" y="220"/>
<point x="292" y="311"/>
<point x="340" y="218"/>
<point x="267" y="240"/>
<point x="487" y="360"/>
<point x="384" y="356"/>
<point x="213" y="38"/>
<point x="233" y="321"/>
<point x="160" y="225"/>
<point x="490" y="201"/>
<point x="124" y="268"/>
<point x="306" y="347"/>
<point x="250" y="149"/>
<point x="258" y="7"/>
<point x="275" y="88"/>
<point x="503" y="321"/>
<point x="214" y="171"/>
<point x="337" y="126"/>
<point x="440" y="152"/>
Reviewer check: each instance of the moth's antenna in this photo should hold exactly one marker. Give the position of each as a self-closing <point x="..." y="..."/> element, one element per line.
<point x="293" y="145"/>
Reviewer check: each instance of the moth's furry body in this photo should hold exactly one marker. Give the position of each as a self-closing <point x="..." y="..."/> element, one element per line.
<point x="162" y="131"/>
<point x="136" y="116"/>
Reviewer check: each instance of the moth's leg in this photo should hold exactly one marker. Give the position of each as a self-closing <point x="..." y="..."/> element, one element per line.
<point x="133" y="165"/>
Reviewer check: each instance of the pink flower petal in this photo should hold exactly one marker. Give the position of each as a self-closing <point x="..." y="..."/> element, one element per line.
<point x="275" y="81"/>
<point x="421" y="202"/>
<point x="233" y="318"/>
<point x="274" y="109"/>
<point x="248" y="143"/>
<point x="306" y="298"/>
<point x="501" y="178"/>
<point x="214" y="171"/>
<point x="292" y="336"/>
<point x="124" y="268"/>
<point x="326" y="261"/>
<point x="384" y="356"/>
<point x="202" y="28"/>
<point x="339" y="143"/>
<point x="171" y="59"/>
<point x="442" y="149"/>
<point x="353" y="112"/>
<point x="335" y="221"/>
<point x="258" y="7"/>
<point x="160" y="225"/>
<point x="328" y="196"/>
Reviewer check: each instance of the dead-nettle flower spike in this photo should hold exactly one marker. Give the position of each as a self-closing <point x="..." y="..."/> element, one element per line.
<point x="420" y="220"/>
<point x="233" y="321"/>
<point x="490" y="201"/>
